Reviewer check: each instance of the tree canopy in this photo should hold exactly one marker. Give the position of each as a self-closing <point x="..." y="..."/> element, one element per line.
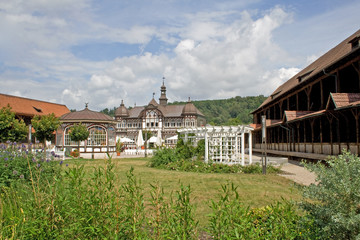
<point x="11" y="129"/>
<point x="79" y="132"/>
<point x="232" y="111"/>
<point x="45" y="126"/>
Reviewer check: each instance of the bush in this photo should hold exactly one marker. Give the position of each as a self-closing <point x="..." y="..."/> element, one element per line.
<point x="231" y="220"/>
<point x="163" y="157"/>
<point x="334" y="203"/>
<point x="18" y="163"/>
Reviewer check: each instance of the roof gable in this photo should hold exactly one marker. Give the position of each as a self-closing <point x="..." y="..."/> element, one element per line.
<point x="341" y="100"/>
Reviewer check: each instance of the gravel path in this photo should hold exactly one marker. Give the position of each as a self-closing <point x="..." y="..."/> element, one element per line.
<point x="297" y="173"/>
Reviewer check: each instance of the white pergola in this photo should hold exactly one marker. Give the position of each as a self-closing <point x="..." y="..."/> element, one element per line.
<point x="223" y="144"/>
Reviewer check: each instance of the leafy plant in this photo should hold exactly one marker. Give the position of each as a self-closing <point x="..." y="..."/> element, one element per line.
<point x="334" y="201"/>
<point x="11" y="129"/>
<point x="78" y="133"/>
<point x="45" y="126"/>
<point x="231" y="220"/>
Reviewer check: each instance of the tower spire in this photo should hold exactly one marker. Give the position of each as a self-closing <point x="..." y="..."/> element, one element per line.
<point x="163" y="99"/>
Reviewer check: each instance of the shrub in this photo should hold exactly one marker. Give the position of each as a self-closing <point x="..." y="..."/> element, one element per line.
<point x="230" y="220"/>
<point x="334" y="202"/>
<point x="163" y="157"/>
<point x="18" y="163"/>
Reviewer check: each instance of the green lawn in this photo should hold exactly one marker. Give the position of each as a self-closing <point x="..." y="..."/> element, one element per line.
<point x="255" y="190"/>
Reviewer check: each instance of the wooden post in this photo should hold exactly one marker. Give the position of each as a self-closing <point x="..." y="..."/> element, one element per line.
<point x="312" y="121"/>
<point x="329" y="117"/>
<point x="321" y="137"/>
<point x="321" y="95"/>
<point x="298" y="136"/>
<point x="308" y="93"/>
<point x="264" y="157"/>
<point x="355" y="112"/>
<point x="250" y="147"/>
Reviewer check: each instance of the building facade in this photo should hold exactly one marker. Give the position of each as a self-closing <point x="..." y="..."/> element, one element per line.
<point x="157" y="117"/>
<point x="101" y="129"/>
<point x="315" y="113"/>
<point x="26" y="108"/>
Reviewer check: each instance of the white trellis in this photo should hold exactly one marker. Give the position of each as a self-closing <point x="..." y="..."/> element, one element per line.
<point x="223" y="144"/>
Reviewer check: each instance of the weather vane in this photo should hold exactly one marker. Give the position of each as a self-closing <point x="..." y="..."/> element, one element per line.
<point x="153" y="95"/>
<point x="86" y="105"/>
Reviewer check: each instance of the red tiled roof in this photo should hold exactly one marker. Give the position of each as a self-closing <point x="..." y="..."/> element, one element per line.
<point x="31" y="107"/>
<point x="291" y="115"/>
<point x="341" y="100"/>
<point x="297" y="115"/>
<point x="334" y="55"/>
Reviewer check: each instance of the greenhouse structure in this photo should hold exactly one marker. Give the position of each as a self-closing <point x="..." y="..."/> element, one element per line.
<point x="223" y="144"/>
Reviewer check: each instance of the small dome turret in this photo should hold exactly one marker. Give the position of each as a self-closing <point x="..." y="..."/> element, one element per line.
<point x="122" y="111"/>
<point x="189" y="108"/>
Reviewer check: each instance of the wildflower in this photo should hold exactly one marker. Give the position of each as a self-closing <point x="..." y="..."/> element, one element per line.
<point x="15" y="172"/>
<point x="67" y="165"/>
<point x="22" y="176"/>
<point x="38" y="165"/>
<point x="47" y="160"/>
<point x="8" y="142"/>
<point x="61" y="162"/>
<point x="33" y="159"/>
<point x="6" y="159"/>
<point x="15" y="143"/>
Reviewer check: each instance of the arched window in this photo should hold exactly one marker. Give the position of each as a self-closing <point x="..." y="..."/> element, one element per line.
<point x="67" y="139"/>
<point x="152" y="119"/>
<point x="97" y="136"/>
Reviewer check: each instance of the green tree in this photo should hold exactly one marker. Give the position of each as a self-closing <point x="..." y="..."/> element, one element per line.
<point x="334" y="202"/>
<point x="78" y="133"/>
<point x="45" y="126"/>
<point x="10" y="128"/>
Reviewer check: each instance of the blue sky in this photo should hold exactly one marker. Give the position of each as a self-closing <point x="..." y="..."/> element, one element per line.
<point x="101" y="52"/>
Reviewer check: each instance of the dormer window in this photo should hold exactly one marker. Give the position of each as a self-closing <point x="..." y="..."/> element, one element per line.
<point x="305" y="75"/>
<point x="37" y="109"/>
<point x="355" y="42"/>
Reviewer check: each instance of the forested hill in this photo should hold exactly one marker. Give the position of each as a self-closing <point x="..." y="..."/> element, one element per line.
<point x="232" y="111"/>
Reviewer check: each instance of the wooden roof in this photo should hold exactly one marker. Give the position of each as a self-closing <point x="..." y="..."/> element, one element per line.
<point x="31" y="107"/>
<point x="317" y="67"/>
<point x="85" y="115"/>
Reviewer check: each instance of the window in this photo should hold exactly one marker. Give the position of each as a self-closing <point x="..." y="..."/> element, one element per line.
<point x="152" y="119"/>
<point x="67" y="140"/>
<point x="97" y="136"/>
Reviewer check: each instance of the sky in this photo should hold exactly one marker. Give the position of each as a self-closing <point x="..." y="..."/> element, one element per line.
<point x="101" y="52"/>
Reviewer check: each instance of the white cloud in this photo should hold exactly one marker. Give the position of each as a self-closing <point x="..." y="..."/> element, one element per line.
<point x="208" y="53"/>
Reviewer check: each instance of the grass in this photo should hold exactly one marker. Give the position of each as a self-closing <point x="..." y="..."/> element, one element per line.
<point x="255" y="190"/>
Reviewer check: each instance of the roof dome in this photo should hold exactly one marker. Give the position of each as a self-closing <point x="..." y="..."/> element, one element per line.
<point x="189" y="108"/>
<point x="86" y="115"/>
<point x="122" y="111"/>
